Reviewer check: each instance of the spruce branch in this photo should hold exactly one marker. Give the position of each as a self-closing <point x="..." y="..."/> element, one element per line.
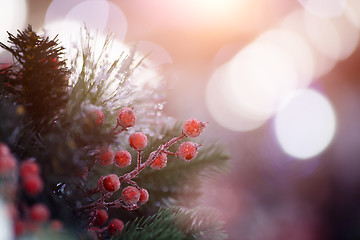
<point x="39" y="78"/>
<point x="176" y="224"/>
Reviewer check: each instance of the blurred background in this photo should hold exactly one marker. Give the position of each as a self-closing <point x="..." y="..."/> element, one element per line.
<point x="279" y="83"/>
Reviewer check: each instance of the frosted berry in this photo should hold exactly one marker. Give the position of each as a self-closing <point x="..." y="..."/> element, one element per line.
<point x="144" y="196"/>
<point x="111" y="183"/>
<point x="122" y="158"/>
<point x="115" y="226"/>
<point x="32" y="184"/>
<point x="130" y="195"/>
<point x="126" y="117"/>
<point x="138" y="141"/>
<point x="101" y="217"/>
<point x="97" y="117"/>
<point x="29" y="167"/>
<point x="193" y="127"/>
<point x="159" y="162"/>
<point x="39" y="213"/>
<point x="4" y="150"/>
<point x="106" y="156"/>
<point x="7" y="164"/>
<point x="187" y="151"/>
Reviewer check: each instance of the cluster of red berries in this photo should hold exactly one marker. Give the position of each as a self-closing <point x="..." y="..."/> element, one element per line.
<point x="34" y="217"/>
<point x="30" y="175"/>
<point x="133" y="196"/>
<point x="106" y="157"/>
<point x="113" y="228"/>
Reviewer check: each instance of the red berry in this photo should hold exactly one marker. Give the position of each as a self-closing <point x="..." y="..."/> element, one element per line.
<point x="106" y="156"/>
<point x="19" y="227"/>
<point x="56" y="225"/>
<point x="96" y="116"/>
<point x="187" y="151"/>
<point x="126" y="117"/>
<point x="29" y="167"/>
<point x="4" y="150"/>
<point x="144" y="196"/>
<point x="130" y="195"/>
<point x="101" y="217"/>
<point x="138" y="141"/>
<point x="115" y="226"/>
<point x="33" y="184"/>
<point x="122" y="158"/>
<point x="193" y="127"/>
<point x="7" y="164"/>
<point x="111" y="183"/>
<point x="39" y="213"/>
<point x="159" y="162"/>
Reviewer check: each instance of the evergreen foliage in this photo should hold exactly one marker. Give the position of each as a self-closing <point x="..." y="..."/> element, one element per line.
<point x="175" y="223"/>
<point x="40" y="79"/>
<point x="43" y="114"/>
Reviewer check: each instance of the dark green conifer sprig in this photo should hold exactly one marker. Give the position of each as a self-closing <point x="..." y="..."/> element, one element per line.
<point x="39" y="78"/>
<point x="175" y="223"/>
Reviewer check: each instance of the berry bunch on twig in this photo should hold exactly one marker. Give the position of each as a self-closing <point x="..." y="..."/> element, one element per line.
<point x="25" y="218"/>
<point x="133" y="196"/>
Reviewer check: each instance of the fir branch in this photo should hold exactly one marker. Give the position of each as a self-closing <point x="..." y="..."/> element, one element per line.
<point x="40" y="78"/>
<point x="175" y="224"/>
<point x="199" y="223"/>
<point x="158" y="226"/>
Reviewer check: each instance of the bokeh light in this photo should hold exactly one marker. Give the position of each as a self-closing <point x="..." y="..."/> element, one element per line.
<point x="117" y="22"/>
<point x="13" y="15"/>
<point x="58" y="9"/>
<point x="324" y="8"/>
<point x="222" y="107"/>
<point x="301" y="55"/>
<point x="305" y="124"/>
<point x="154" y="53"/>
<point x="261" y="75"/>
<point x="340" y="34"/>
<point x="353" y="12"/>
<point x="295" y="22"/>
<point x="93" y="13"/>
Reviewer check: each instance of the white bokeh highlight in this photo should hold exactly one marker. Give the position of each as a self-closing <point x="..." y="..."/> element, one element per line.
<point x="297" y="49"/>
<point x="324" y="8"/>
<point x="305" y="124"/>
<point x="261" y="75"/>
<point x="93" y="13"/>
<point x="13" y="15"/>
<point x="221" y="105"/>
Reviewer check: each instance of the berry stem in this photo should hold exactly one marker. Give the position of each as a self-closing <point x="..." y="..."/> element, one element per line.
<point x="138" y="159"/>
<point x="142" y="166"/>
<point x="169" y="153"/>
<point x="133" y="183"/>
<point x="116" y="132"/>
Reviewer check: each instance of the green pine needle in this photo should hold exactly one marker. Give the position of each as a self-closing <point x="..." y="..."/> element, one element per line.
<point x="175" y="223"/>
